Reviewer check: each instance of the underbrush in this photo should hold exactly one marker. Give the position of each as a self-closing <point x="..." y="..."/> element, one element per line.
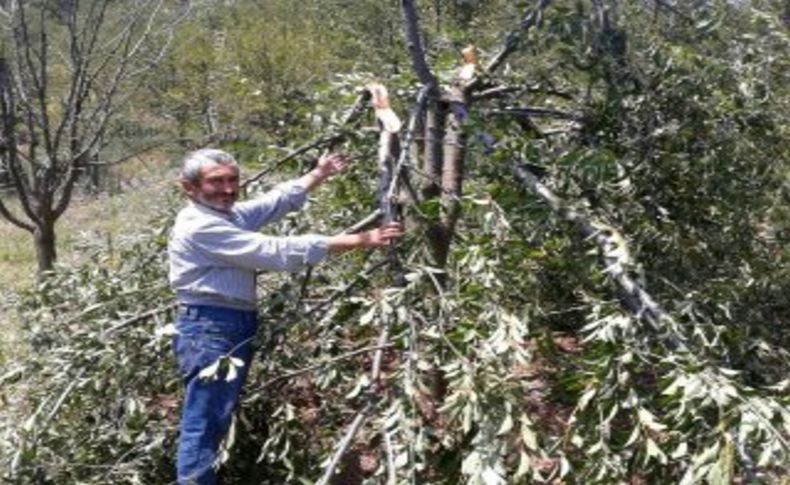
<point x="479" y="380"/>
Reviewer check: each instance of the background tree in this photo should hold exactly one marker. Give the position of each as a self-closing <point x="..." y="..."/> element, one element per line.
<point x="66" y="70"/>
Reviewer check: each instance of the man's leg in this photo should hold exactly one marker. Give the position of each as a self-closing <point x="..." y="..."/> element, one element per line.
<point x="205" y="336"/>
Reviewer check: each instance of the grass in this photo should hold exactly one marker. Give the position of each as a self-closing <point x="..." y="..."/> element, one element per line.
<point x="17" y="257"/>
<point x="91" y="219"/>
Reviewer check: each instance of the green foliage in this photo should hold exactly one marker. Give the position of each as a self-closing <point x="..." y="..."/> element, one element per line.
<point x="516" y="363"/>
<point x="90" y="395"/>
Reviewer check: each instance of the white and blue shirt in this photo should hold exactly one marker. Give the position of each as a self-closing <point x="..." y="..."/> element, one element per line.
<point x="214" y="255"/>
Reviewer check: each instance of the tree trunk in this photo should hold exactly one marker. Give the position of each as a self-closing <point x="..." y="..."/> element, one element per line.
<point x="44" y="240"/>
<point x="432" y="158"/>
<point x="453" y="153"/>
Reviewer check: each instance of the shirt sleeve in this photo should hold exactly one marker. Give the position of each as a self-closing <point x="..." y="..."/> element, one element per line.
<point x="271" y="206"/>
<point x="232" y="246"/>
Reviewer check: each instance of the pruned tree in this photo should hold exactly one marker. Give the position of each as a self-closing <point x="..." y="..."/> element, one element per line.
<point x="442" y="157"/>
<point x="66" y="70"/>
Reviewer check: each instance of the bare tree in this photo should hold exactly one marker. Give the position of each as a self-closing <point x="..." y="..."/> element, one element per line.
<point x="66" y="68"/>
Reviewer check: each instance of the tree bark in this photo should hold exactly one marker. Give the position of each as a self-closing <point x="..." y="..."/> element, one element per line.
<point x="414" y="44"/>
<point x="432" y="155"/>
<point x="453" y="155"/>
<point x="453" y="152"/>
<point x="44" y="241"/>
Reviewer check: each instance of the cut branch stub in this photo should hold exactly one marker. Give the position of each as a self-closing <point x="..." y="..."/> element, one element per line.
<point x="469" y="67"/>
<point x="380" y="101"/>
<point x="389" y="147"/>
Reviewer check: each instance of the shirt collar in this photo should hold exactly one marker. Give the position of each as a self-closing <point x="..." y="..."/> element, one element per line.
<point x="211" y="211"/>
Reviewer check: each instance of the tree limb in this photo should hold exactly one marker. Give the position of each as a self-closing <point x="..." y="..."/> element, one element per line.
<point x="139" y="318"/>
<point x="408" y="139"/>
<point x="364" y="223"/>
<point x="411" y="30"/>
<point x="356" y="110"/>
<point x="512" y="42"/>
<point x="10" y="217"/>
<point x="636" y="300"/>
<point x="495" y="92"/>
<point x="345" y="289"/>
<point x="527" y="111"/>
<point x="313" y="367"/>
<point x="362" y="415"/>
<point x="8" y="120"/>
<point x="96" y="123"/>
<point x="348" y="438"/>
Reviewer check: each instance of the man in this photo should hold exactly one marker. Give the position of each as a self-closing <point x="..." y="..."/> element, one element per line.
<point x="214" y="252"/>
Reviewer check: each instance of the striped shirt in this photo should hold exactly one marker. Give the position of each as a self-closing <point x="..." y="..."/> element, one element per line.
<point x="214" y="255"/>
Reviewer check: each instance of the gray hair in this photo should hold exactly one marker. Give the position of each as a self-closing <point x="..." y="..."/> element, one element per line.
<point x="206" y="157"/>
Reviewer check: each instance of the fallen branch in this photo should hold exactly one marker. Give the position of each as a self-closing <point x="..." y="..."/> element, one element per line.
<point x="512" y="42"/>
<point x="319" y="143"/>
<point x="319" y="365"/>
<point x="391" y="476"/>
<point x="634" y="298"/>
<point x="103" y="305"/>
<point x="535" y="112"/>
<point x="139" y="318"/>
<point x="362" y="415"/>
<point x="364" y="223"/>
<point x="326" y="141"/>
<point x="45" y="422"/>
<point x="495" y="92"/>
<point x="408" y="139"/>
<point x="359" y="226"/>
<point x="348" y="438"/>
<point x="344" y="290"/>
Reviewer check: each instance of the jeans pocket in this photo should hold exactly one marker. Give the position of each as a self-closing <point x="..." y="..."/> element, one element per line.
<point x="196" y="352"/>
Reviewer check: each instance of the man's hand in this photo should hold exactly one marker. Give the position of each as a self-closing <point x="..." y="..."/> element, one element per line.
<point x="331" y="164"/>
<point x="383" y="236"/>
<point x="328" y="165"/>
<point x="377" y="238"/>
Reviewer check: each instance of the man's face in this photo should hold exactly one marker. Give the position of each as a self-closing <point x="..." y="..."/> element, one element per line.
<point x="218" y="187"/>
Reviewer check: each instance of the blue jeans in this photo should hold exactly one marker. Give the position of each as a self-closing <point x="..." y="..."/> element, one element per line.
<point x="205" y="334"/>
